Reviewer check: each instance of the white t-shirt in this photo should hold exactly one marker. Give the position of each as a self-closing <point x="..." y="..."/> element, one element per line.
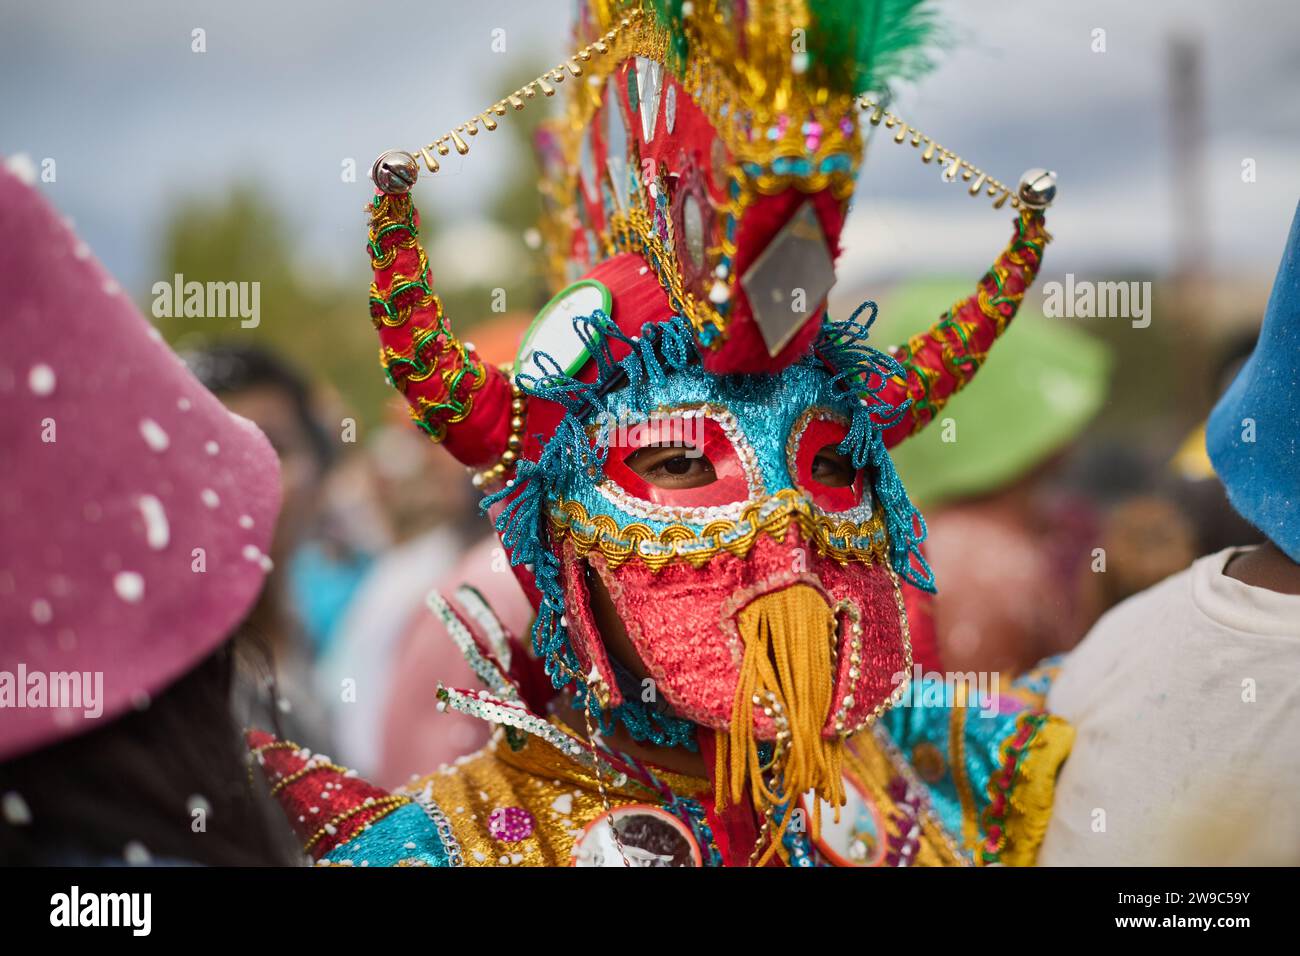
<point x="1186" y="705"/>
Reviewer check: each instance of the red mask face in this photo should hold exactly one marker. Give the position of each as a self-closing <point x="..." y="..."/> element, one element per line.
<point x="680" y="612"/>
<point x="682" y="621"/>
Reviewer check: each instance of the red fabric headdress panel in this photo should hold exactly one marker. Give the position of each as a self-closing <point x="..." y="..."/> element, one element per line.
<point x="744" y="349"/>
<point x="687" y="158"/>
<point x="691" y="156"/>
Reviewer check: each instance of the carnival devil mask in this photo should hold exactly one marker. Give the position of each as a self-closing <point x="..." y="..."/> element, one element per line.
<point x="746" y="530"/>
<point x="684" y="427"/>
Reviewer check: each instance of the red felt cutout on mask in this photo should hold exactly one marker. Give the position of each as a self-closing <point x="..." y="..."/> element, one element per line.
<point x="694" y="435"/>
<point x="819" y="433"/>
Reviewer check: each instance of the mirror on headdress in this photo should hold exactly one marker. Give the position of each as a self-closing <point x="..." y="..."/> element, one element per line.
<point x="649" y="80"/>
<point x="858" y="838"/>
<point x="616" y="145"/>
<point x="788" y="283"/>
<point x="552" y="331"/>
<point x="693" y="224"/>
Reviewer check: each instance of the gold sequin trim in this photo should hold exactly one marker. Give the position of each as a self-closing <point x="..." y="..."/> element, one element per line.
<point x="844" y="541"/>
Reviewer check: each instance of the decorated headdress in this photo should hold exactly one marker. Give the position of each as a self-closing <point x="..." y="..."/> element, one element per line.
<point x="695" y="191"/>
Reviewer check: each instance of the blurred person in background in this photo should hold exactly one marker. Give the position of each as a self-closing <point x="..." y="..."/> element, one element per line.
<point x="137" y="513"/>
<point x="430" y="516"/>
<point x="412" y="734"/>
<point x="415" y="734"/>
<point x="1142" y="534"/>
<point x="1142" y="540"/>
<point x="1186" y="698"/>
<point x="1197" y="489"/>
<point x="256" y="384"/>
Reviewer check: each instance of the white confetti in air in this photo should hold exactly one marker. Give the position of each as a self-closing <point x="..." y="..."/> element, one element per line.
<point x="245" y="521"/>
<point x="210" y="497"/>
<point x="252" y="553"/>
<point x="212" y="448"/>
<point x="41" y="379"/>
<point x="154" y="435"/>
<point x="136" y="854"/>
<point x="111" y="287"/>
<point x="156" y="529"/>
<point x="129" y="586"/>
<point x="183" y="404"/>
<point x="15" y="809"/>
<point x="81" y="250"/>
<point x="41" y="611"/>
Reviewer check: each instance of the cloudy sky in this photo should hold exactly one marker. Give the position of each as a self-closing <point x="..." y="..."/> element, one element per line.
<point x="286" y="92"/>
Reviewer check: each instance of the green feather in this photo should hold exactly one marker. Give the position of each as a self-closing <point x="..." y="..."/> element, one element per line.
<point x="863" y="46"/>
<point x="869" y="45"/>
<point x="668" y="14"/>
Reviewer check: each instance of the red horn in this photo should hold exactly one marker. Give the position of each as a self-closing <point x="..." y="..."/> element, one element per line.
<point x="940" y="361"/>
<point x="456" y="398"/>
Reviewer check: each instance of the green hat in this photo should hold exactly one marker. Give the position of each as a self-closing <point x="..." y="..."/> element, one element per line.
<point x="1046" y="383"/>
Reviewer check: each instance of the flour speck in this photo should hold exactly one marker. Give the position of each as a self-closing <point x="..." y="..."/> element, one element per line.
<point x="153" y="434"/>
<point x="41" y="379"/>
<point x="42" y="613"/>
<point x="129" y="586"/>
<point x="156" y="529"/>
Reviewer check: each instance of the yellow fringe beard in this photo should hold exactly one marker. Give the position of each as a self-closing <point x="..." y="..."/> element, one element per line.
<point x="789" y="671"/>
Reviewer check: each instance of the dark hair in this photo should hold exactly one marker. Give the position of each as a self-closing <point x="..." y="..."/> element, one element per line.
<point x="140" y="777"/>
<point x="225" y="369"/>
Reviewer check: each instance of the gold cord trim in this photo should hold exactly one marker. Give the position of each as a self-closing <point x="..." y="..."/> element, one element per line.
<point x="839" y="540"/>
<point x="954" y="165"/>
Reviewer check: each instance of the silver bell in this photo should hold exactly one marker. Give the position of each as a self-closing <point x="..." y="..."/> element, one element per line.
<point x="1037" y="188"/>
<point x="395" y="172"/>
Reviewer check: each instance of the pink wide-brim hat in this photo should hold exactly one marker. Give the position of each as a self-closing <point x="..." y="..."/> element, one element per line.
<point x="135" y="511"/>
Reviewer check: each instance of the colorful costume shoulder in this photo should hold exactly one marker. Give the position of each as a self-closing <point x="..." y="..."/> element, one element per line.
<point x="689" y="451"/>
<point x="947" y="780"/>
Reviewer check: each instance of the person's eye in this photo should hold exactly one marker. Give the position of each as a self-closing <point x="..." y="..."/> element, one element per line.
<point x="672" y="467"/>
<point x="833" y="468"/>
